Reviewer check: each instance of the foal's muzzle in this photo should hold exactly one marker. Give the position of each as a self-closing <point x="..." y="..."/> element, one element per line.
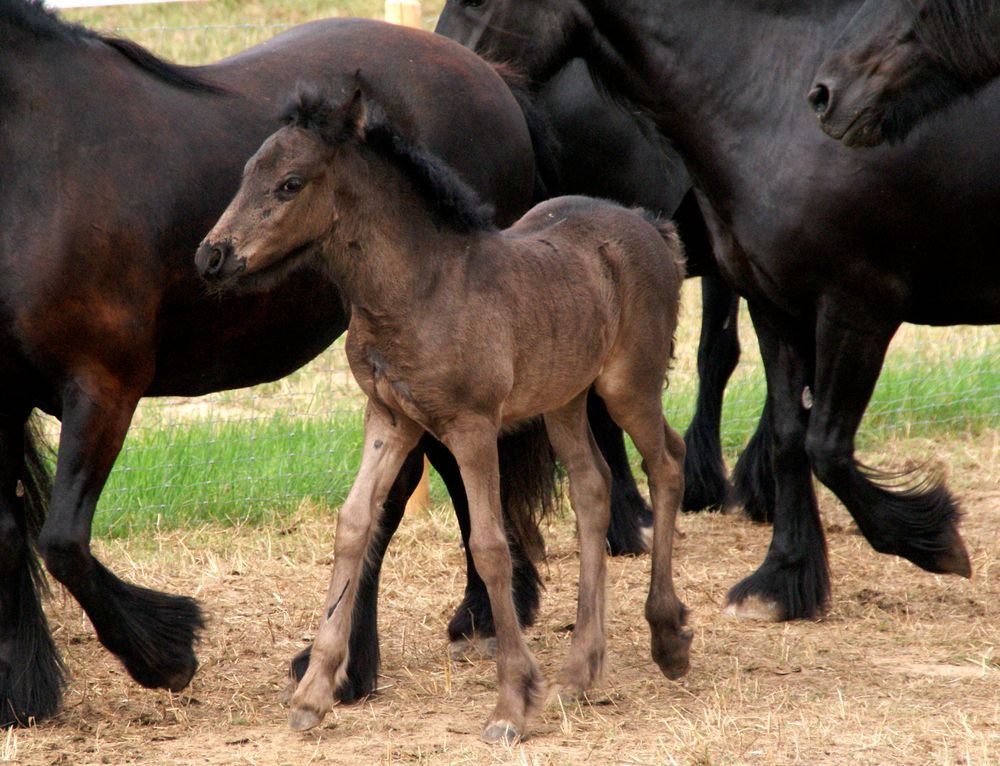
<point x="218" y="261"/>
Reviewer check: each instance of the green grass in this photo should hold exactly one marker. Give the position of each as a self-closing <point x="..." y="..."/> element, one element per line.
<point x="252" y="456"/>
<point x="199" y="33"/>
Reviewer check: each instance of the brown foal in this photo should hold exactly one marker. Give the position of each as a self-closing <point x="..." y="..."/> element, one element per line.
<point x="462" y="330"/>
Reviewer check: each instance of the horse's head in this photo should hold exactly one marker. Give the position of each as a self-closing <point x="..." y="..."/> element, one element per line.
<point x="539" y="36"/>
<point x="894" y="63"/>
<point x="287" y="202"/>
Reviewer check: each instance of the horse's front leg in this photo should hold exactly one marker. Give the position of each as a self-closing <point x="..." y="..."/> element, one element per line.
<point x="919" y="522"/>
<point x="152" y="633"/>
<point x="389" y="438"/>
<point x="472" y="440"/>
<point x="31" y="673"/>
<point x="793" y="582"/>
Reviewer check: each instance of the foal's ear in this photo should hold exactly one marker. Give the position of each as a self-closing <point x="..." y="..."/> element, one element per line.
<point x="354" y="113"/>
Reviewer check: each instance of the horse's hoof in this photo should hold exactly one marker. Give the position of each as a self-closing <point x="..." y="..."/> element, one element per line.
<point x="955" y="560"/>
<point x="472" y="649"/>
<point x="501" y="732"/>
<point x="755" y="608"/>
<point x="304" y="719"/>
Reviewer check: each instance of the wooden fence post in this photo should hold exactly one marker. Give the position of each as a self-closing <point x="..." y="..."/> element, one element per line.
<point x="407" y="13"/>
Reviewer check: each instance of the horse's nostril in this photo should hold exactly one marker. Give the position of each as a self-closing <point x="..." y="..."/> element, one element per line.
<point x="820" y="98"/>
<point x="215" y="258"/>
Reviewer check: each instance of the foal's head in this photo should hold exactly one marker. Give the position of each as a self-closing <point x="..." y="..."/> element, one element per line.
<point x="287" y="202"/>
<point x="314" y="177"/>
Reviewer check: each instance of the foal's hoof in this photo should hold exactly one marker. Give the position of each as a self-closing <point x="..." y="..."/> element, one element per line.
<point x="304" y="719"/>
<point x="472" y="649"/>
<point x="501" y="732"/>
<point x="755" y="608"/>
<point x="673" y="654"/>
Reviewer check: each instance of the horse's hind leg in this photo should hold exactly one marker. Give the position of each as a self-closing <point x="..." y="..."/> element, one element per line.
<point x="637" y="409"/>
<point x="388" y="441"/>
<point x="919" y="523"/>
<point x="363" y="652"/>
<point x="589" y="491"/>
<point x="152" y="633"/>
<point x="705" y="483"/>
<point x="31" y="673"/>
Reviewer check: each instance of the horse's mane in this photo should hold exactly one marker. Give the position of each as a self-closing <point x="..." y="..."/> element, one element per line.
<point x="451" y="199"/>
<point x="32" y="17"/>
<point x="957" y="32"/>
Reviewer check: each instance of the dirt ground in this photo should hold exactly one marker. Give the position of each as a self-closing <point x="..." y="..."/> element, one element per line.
<point x="903" y="670"/>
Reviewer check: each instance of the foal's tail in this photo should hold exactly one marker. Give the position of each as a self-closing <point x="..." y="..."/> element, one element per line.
<point x="668" y="232"/>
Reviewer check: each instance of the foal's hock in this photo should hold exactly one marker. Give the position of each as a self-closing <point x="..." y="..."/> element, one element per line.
<point x="460" y="330"/>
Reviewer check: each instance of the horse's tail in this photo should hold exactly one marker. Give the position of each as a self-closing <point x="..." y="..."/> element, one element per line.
<point x="543" y="141"/>
<point x="527" y="484"/>
<point x="31" y="688"/>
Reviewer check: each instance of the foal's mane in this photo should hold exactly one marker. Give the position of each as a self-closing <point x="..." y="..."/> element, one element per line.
<point x="955" y="31"/>
<point x="33" y="17"/>
<point x="452" y="201"/>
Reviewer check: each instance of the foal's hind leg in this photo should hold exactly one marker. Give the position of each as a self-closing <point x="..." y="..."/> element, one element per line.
<point x="387" y="442"/>
<point x="31" y="673"/>
<point x="589" y="491"/>
<point x="662" y="450"/>
<point x="630" y="530"/>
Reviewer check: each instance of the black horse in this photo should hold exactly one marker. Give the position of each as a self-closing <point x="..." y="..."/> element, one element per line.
<point x="600" y="149"/>
<point x="115" y="164"/>
<point x="832" y="249"/>
<point x="898" y="61"/>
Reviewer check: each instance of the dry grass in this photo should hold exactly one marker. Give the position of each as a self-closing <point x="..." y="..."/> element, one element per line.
<point x="904" y="670"/>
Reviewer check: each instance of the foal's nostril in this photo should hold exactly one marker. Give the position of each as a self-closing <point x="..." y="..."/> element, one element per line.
<point x="821" y="98"/>
<point x="213" y="257"/>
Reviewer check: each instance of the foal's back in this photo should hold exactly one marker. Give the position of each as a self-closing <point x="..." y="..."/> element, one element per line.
<point x="569" y="286"/>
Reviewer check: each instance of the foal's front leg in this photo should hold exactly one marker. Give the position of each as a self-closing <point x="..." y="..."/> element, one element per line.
<point x="521" y="688"/>
<point x="388" y="440"/>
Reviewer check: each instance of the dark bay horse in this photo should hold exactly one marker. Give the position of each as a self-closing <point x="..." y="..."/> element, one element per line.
<point x="832" y="248"/>
<point x="460" y="330"/>
<point x="898" y="61"/>
<point x="115" y="164"/>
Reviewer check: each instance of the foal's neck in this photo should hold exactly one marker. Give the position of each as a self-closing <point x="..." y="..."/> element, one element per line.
<point x="385" y="249"/>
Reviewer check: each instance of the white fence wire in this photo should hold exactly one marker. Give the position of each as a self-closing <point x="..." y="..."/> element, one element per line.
<point x="238" y="453"/>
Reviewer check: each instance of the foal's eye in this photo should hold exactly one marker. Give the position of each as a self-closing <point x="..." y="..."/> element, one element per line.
<point x="291" y="186"/>
<point x="473" y="3"/>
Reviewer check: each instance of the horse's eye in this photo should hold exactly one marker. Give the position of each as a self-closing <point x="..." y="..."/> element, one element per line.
<point x="292" y="186"/>
<point x="473" y="3"/>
